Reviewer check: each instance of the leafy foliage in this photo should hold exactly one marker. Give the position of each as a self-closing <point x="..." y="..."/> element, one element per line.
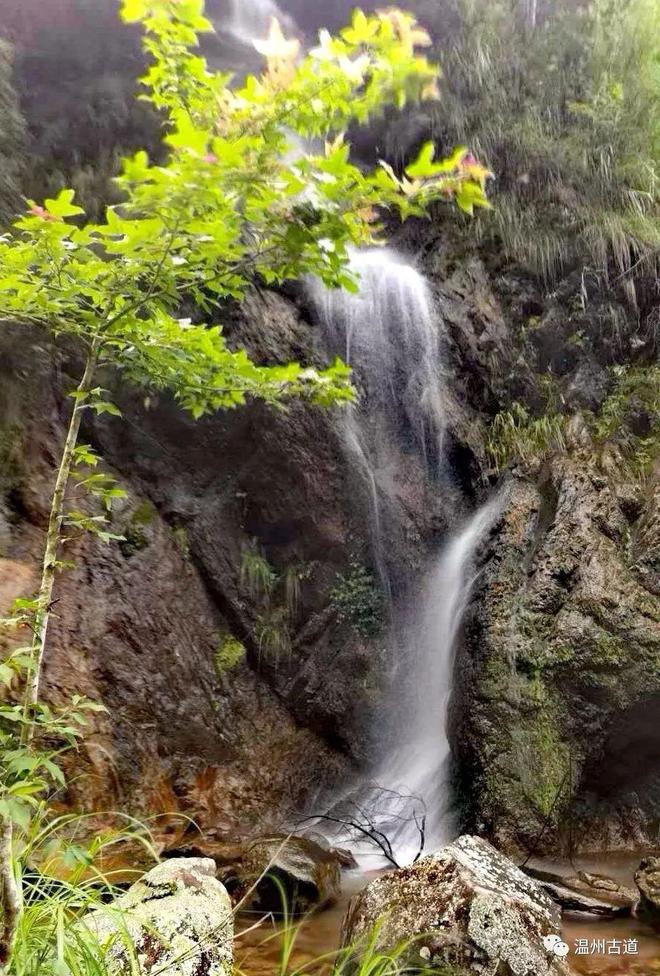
<point x="568" y="114"/>
<point x="226" y="209"/>
<point x="357" y="599"/>
<point x="25" y="774"/>
<point x="229" y="653"/>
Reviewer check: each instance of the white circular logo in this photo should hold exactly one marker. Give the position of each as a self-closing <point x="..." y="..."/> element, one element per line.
<point x="555" y="944"/>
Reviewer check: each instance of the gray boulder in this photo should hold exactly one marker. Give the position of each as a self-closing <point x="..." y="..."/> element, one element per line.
<point x="647" y="879"/>
<point x="468" y="907"/>
<point x="274" y="873"/>
<point x="278" y="870"/>
<point x="177" y="919"/>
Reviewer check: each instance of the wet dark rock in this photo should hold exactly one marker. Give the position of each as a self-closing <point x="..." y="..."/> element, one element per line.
<point x="586" y="894"/>
<point x="466" y="906"/>
<point x="270" y="873"/>
<point x="559" y="679"/>
<point x="278" y="871"/>
<point x="587" y="387"/>
<point x="647" y="879"/>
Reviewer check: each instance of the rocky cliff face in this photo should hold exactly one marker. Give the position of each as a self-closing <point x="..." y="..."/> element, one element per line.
<point x="558" y="677"/>
<point x="242" y="712"/>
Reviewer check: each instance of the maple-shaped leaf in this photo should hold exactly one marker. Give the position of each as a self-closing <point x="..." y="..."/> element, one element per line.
<point x="276" y="47"/>
<point x="406" y="28"/>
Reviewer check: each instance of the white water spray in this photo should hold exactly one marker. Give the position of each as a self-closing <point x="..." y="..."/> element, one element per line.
<point x="249" y="20"/>
<point x="388" y="332"/>
<point x="420" y="765"/>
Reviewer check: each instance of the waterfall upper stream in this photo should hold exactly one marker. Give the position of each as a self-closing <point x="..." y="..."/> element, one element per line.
<point x="390" y="332"/>
<point x="249" y="20"/>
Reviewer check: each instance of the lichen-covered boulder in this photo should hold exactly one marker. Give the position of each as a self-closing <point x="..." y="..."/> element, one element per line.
<point x="467" y="906"/>
<point x="177" y="919"/>
<point x="647" y="879"/>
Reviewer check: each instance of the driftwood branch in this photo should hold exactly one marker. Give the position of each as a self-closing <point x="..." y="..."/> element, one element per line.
<point x="378" y="817"/>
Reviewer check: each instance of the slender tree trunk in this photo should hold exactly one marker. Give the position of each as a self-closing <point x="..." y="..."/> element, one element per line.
<point x="10" y="895"/>
<point x="53" y="535"/>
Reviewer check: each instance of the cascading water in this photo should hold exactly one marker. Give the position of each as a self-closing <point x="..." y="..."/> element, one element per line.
<point x="389" y="333"/>
<point x="419" y="767"/>
<point x="249" y="20"/>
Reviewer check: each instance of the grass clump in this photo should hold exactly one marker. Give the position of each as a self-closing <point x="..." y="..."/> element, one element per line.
<point x="63" y="876"/>
<point x="565" y="108"/>
<point x="277" y="597"/>
<point x="517" y="436"/>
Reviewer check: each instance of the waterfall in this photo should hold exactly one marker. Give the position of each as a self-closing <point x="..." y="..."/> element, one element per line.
<point x="249" y="20"/>
<point x="388" y="333"/>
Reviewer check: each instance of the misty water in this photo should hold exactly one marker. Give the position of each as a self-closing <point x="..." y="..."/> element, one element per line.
<point x="249" y="20"/>
<point x="388" y="332"/>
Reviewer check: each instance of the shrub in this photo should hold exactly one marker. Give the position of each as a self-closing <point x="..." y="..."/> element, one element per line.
<point x="229" y="653"/>
<point x="357" y="599"/>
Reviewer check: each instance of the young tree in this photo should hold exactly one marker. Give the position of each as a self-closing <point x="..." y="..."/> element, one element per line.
<point x="231" y="206"/>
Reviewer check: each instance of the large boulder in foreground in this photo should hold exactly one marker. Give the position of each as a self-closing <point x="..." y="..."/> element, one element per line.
<point x="647" y="879"/>
<point x="467" y="906"/>
<point x="177" y="919"/>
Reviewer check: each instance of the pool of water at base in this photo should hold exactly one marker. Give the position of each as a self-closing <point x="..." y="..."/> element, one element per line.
<point x="259" y="946"/>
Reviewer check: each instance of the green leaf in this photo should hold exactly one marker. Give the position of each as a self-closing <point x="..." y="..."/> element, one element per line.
<point x="103" y="406"/>
<point x="62" y="205"/>
<point x="16" y="810"/>
<point x="6" y="674"/>
<point x="54" y="771"/>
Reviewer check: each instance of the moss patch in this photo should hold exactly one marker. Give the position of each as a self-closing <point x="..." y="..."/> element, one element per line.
<point x="135" y="538"/>
<point x="543" y="760"/>
<point x="229" y="653"/>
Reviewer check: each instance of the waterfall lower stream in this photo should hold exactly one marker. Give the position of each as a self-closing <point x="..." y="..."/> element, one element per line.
<point x="390" y="333"/>
<point x="419" y="766"/>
